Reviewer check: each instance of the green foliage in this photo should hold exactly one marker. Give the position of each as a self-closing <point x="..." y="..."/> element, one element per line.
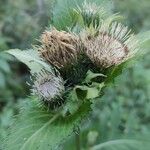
<point x="64" y="16"/>
<point x="122" y="113"/>
<point x="123" y="144"/>
<point x="47" y="128"/>
<point x="38" y="128"/>
<point x="31" y="59"/>
<point x="20" y="23"/>
<point x="137" y="14"/>
<point x="6" y="84"/>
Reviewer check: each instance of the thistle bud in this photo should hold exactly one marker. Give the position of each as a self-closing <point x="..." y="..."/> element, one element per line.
<point x="47" y="86"/>
<point x="110" y="46"/>
<point x="59" y="48"/>
<point x="91" y="13"/>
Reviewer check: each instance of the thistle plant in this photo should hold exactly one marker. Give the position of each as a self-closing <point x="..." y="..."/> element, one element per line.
<point x="94" y="55"/>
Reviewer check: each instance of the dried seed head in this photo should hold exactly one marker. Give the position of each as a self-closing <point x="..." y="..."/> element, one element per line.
<point x="47" y="86"/>
<point x="59" y="48"/>
<point x="111" y="46"/>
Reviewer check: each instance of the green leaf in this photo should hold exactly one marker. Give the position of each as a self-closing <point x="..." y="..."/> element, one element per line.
<point x="91" y="77"/>
<point x="74" y="100"/>
<point x="30" y="58"/>
<point x="85" y="92"/>
<point x="123" y="144"/>
<point x="39" y="129"/>
<point x="80" y="95"/>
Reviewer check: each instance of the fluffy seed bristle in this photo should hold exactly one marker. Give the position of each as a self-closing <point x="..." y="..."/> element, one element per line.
<point x="59" y="48"/>
<point x="111" y="46"/>
<point x="47" y="86"/>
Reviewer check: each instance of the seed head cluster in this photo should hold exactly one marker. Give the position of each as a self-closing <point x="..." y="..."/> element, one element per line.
<point x="107" y="45"/>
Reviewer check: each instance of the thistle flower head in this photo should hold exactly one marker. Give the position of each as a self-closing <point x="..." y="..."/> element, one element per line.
<point x="47" y="86"/>
<point x="91" y="13"/>
<point x="112" y="45"/>
<point x="59" y="48"/>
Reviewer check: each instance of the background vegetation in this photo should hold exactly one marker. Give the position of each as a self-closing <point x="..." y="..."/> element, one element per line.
<point x="124" y="111"/>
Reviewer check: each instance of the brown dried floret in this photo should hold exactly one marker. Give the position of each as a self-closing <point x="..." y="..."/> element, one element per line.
<point x="59" y="48"/>
<point x="111" y="46"/>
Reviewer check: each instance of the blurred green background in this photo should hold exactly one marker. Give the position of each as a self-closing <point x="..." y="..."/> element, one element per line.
<point x="123" y="111"/>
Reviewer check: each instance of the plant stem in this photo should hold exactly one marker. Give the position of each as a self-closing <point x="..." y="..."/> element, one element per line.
<point x="77" y="139"/>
